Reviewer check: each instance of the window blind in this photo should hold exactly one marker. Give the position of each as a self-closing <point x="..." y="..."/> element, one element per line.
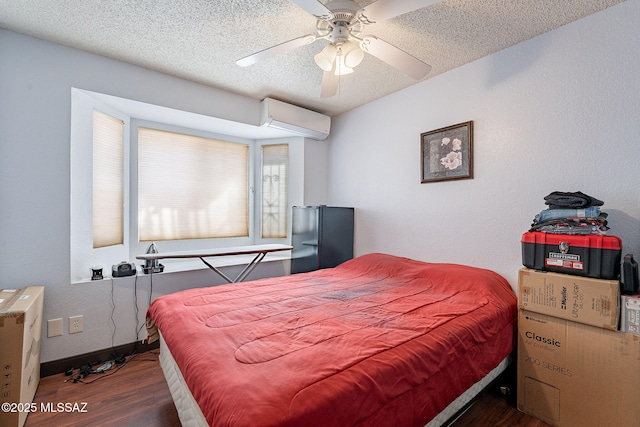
<point x="108" y="191"/>
<point x="275" y="164"/>
<point x="191" y="187"/>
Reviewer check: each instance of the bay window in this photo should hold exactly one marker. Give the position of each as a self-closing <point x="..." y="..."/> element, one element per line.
<point x="136" y="179"/>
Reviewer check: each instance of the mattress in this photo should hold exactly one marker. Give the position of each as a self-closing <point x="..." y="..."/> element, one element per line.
<point x="190" y="414"/>
<point x="378" y="340"/>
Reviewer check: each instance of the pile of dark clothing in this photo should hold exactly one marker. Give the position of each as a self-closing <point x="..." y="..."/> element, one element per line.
<point x="571" y="213"/>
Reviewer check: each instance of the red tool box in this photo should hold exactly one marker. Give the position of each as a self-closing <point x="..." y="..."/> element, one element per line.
<point x="591" y="255"/>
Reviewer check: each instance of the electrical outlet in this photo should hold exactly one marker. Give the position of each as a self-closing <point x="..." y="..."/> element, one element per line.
<point x="76" y="324"/>
<point x="54" y="327"/>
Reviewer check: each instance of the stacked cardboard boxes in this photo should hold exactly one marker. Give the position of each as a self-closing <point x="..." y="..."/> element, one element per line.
<point x="20" y="336"/>
<point x="574" y="367"/>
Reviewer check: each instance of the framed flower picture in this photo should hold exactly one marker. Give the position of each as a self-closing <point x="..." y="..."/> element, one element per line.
<point x="447" y="153"/>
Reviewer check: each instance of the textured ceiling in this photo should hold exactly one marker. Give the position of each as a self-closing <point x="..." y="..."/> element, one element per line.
<point x="200" y="40"/>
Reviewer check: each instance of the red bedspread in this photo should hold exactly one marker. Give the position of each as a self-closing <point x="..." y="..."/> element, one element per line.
<point x="379" y="340"/>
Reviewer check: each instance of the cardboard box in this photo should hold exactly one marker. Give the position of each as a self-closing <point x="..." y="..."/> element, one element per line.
<point x="580" y="299"/>
<point x="571" y="374"/>
<point x="20" y="337"/>
<point x="630" y="314"/>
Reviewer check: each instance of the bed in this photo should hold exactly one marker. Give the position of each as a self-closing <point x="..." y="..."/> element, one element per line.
<point x="379" y="340"/>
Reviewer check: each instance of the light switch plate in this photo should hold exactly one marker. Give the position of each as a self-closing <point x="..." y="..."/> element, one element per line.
<point x="54" y="327"/>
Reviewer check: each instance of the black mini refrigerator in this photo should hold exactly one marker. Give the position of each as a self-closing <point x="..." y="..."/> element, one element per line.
<point x="322" y="237"/>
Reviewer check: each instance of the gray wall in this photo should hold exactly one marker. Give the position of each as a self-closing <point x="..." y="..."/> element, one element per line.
<point x="558" y="112"/>
<point x="36" y="78"/>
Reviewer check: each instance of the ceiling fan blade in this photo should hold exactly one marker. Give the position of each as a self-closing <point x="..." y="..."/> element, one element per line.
<point x="387" y="9"/>
<point x="395" y="57"/>
<point x="329" y="84"/>
<point x="315" y="8"/>
<point x="276" y="50"/>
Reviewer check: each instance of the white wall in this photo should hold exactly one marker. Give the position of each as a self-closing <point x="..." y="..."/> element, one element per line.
<point x="36" y="78"/>
<point x="316" y="172"/>
<point x="558" y="112"/>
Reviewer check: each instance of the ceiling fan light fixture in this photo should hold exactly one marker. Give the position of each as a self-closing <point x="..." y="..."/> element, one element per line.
<point x="325" y="58"/>
<point x="340" y="23"/>
<point x="341" y="68"/>
<point x="352" y="54"/>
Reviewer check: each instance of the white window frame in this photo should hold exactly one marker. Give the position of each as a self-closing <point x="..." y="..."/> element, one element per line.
<point x="261" y="200"/>
<point x="138" y="247"/>
<point x="83" y="256"/>
<point x="108" y="181"/>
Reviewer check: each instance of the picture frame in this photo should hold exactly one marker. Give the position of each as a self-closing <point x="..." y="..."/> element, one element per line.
<point x="447" y="153"/>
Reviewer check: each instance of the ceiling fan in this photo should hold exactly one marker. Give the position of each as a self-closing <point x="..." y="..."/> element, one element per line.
<point x="342" y="22"/>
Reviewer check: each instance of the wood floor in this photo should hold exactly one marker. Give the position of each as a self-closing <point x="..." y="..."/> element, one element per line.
<point x="137" y="395"/>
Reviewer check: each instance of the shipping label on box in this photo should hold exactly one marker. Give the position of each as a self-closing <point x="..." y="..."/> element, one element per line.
<point x="571" y="374"/>
<point x="580" y="299"/>
<point x="630" y="314"/>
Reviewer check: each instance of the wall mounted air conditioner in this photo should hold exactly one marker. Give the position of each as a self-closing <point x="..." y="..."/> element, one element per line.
<point x="299" y="121"/>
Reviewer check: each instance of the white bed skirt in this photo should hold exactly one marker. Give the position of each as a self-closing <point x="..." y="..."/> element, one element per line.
<point x="188" y="410"/>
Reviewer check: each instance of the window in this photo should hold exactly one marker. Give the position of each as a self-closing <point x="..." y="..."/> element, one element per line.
<point x="275" y="165"/>
<point x="191" y="187"/>
<point x="186" y="181"/>
<point x="108" y="188"/>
